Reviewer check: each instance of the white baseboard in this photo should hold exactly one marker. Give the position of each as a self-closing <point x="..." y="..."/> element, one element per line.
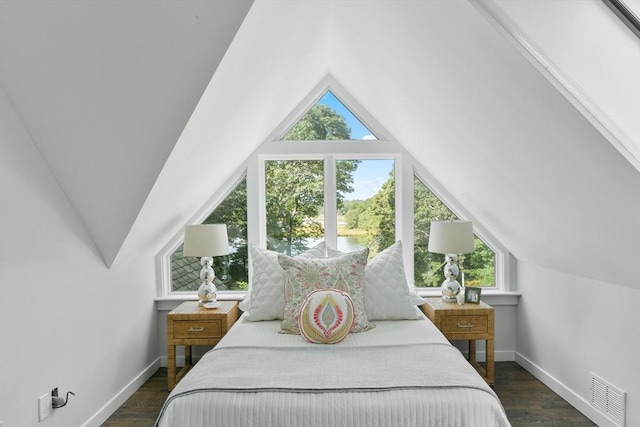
<point x="565" y="392"/>
<point x="127" y="391"/>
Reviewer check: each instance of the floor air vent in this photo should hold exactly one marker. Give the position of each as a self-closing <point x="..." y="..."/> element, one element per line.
<point x="608" y="400"/>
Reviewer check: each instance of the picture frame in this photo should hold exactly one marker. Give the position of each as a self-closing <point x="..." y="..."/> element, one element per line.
<point x="472" y="295"/>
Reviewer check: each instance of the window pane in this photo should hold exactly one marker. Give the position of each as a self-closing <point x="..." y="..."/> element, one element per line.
<point x="478" y="266"/>
<point x="231" y="270"/>
<point x="295" y="200"/>
<point x="366" y="205"/>
<point x="328" y="120"/>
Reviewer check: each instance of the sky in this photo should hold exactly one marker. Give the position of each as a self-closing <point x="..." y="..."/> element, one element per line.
<point x="358" y="130"/>
<point x="369" y="177"/>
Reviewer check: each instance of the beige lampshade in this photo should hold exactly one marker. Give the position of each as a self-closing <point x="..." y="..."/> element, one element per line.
<point x="451" y="237"/>
<point x="206" y="240"/>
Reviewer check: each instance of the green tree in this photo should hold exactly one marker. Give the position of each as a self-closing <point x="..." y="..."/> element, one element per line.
<point x="352" y="212"/>
<point x="294" y="197"/>
<point x="232" y="269"/>
<point x="478" y="266"/>
<point x="295" y="188"/>
<point x="320" y="123"/>
<point x="427" y="208"/>
<point x="379" y="220"/>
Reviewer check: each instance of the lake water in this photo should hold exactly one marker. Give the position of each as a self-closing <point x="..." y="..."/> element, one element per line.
<point x="348" y="244"/>
<point x="345" y="243"/>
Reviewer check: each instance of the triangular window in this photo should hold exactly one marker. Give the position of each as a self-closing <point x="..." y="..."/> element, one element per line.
<point x="329" y="119"/>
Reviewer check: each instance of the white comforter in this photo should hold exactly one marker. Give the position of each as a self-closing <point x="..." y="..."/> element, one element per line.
<point x="257" y="377"/>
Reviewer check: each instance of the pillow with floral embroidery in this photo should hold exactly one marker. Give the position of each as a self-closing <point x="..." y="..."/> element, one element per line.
<point x="303" y="276"/>
<point x="326" y="316"/>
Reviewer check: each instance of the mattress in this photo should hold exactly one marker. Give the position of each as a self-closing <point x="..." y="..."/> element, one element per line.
<point x="401" y="373"/>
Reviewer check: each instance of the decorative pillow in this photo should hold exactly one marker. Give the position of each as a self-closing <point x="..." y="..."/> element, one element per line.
<point x="326" y="316"/>
<point x="265" y="300"/>
<point x="302" y="276"/>
<point x="387" y="295"/>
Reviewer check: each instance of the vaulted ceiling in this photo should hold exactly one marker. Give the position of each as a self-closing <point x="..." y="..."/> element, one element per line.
<point x="143" y="109"/>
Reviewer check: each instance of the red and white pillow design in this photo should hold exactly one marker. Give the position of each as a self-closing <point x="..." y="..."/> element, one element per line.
<point x="326" y="316"/>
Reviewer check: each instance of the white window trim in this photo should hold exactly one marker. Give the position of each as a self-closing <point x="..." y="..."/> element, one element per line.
<point x="503" y="261"/>
<point x="163" y="259"/>
<point x="330" y="185"/>
<point x="405" y="169"/>
<point x="386" y="147"/>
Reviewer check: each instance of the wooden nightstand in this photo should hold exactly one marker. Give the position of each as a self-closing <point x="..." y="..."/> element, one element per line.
<point x="189" y="324"/>
<point x="466" y="322"/>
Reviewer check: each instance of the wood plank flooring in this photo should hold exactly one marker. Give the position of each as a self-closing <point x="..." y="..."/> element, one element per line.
<point x="527" y="401"/>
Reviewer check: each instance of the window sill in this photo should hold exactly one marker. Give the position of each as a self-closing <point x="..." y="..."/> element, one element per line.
<point x="491" y="297"/>
<point x="169" y="302"/>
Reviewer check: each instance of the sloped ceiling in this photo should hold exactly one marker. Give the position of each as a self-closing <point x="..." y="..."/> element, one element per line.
<point x="105" y="89"/>
<point x="435" y="74"/>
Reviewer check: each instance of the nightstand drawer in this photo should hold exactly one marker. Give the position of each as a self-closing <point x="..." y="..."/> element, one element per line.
<point x="464" y="324"/>
<point x="197" y="329"/>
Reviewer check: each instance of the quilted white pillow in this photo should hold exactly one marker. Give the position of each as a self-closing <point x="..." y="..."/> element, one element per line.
<point x="387" y="295"/>
<point x="265" y="299"/>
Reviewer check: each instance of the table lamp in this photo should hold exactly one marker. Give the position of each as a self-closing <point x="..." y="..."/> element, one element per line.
<point x="451" y="238"/>
<point x="206" y="241"/>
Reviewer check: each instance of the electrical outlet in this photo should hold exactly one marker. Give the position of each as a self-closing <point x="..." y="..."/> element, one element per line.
<point x="44" y="407"/>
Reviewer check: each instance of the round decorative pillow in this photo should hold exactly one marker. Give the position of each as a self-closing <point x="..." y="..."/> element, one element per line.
<point x="326" y="316"/>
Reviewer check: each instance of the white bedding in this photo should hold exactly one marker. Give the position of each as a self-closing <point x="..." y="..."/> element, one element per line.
<point x="278" y="402"/>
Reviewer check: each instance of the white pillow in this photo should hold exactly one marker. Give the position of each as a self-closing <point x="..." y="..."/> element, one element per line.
<point x="387" y="294"/>
<point x="265" y="299"/>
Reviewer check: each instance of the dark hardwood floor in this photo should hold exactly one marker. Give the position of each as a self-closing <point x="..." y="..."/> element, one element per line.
<point x="527" y="401"/>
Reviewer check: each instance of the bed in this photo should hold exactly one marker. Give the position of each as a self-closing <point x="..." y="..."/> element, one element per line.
<point x="389" y="367"/>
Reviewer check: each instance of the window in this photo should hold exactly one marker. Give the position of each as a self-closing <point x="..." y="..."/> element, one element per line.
<point x="357" y="199"/>
<point x="231" y="270"/>
<point x="366" y="214"/>
<point x="294" y="201"/>
<point x="350" y="190"/>
<point x="477" y="267"/>
<point x="328" y="120"/>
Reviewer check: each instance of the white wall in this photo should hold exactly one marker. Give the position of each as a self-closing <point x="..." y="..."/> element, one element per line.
<point x="65" y="319"/>
<point x="570" y="327"/>
<point x="593" y="53"/>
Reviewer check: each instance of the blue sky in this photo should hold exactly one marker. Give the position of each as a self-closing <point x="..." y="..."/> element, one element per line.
<point x="369" y="177"/>
<point x="358" y="130"/>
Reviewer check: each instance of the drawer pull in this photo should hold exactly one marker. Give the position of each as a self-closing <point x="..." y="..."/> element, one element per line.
<point x="465" y="325"/>
<point x="196" y="329"/>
